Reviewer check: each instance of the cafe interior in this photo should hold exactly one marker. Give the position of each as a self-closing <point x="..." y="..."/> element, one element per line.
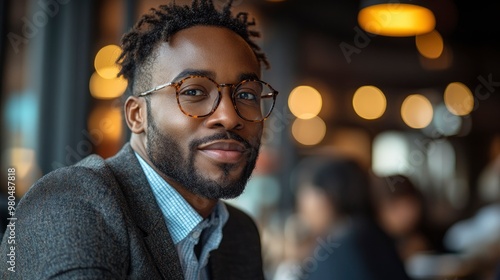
<point x="408" y="88"/>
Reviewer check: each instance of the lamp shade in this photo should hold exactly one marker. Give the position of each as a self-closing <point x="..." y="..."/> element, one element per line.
<point x="397" y="19"/>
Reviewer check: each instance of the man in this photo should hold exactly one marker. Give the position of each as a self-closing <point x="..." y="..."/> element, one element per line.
<point x="153" y="211"/>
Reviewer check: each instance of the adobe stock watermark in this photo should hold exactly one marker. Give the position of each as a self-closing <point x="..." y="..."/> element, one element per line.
<point x="279" y="121"/>
<point x="325" y="247"/>
<point x="91" y="139"/>
<point x="85" y="146"/>
<point x="10" y="231"/>
<point x="39" y="19"/>
<point x="483" y="90"/>
<point x="362" y="39"/>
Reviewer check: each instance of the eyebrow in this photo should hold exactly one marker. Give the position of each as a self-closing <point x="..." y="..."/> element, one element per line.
<point x="211" y="74"/>
<point x="248" y="76"/>
<point x="194" y="72"/>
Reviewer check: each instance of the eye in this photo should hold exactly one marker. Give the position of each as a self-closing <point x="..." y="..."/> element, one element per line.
<point x="249" y="93"/>
<point x="246" y="95"/>
<point x="193" y="91"/>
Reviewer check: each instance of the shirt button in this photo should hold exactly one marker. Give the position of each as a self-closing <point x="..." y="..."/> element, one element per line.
<point x="196" y="234"/>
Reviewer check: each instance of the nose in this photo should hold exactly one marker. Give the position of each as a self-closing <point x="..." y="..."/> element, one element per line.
<point x="225" y="115"/>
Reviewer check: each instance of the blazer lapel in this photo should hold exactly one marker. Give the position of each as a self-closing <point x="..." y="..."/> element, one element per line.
<point x="146" y="212"/>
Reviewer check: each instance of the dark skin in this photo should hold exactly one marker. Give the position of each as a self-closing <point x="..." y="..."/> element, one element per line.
<point x="223" y="56"/>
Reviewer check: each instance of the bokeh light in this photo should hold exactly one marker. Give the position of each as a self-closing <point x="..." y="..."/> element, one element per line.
<point x="102" y="88"/>
<point x="105" y="61"/>
<point x="445" y="122"/>
<point x="305" y="102"/>
<point x="444" y="61"/>
<point x="23" y="159"/>
<point x="458" y="99"/>
<point x="390" y="153"/>
<point x="430" y="44"/>
<point x="309" y="131"/>
<point x="105" y="123"/>
<point x="27" y="169"/>
<point x="417" y="111"/>
<point x="369" y="102"/>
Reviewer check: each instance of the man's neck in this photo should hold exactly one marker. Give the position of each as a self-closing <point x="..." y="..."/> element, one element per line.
<point x="204" y="206"/>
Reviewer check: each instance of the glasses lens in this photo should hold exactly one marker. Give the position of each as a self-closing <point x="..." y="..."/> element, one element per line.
<point x="197" y="96"/>
<point x="254" y="100"/>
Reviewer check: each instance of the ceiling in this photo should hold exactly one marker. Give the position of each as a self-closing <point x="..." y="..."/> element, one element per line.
<point x="318" y="30"/>
<point x="466" y="22"/>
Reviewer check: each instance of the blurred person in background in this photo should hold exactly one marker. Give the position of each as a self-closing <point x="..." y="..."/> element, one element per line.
<point x="477" y="238"/>
<point x="155" y="210"/>
<point x="335" y="202"/>
<point x="298" y="241"/>
<point x="400" y="209"/>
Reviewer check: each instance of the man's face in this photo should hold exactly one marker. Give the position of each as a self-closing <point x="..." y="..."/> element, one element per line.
<point x="212" y="156"/>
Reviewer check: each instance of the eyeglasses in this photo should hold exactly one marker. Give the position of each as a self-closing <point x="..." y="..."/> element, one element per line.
<point x="199" y="96"/>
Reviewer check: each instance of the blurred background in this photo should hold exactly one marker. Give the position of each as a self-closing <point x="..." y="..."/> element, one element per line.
<point x="424" y="106"/>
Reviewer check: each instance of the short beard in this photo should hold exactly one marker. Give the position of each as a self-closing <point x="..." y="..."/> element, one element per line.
<point x="165" y="153"/>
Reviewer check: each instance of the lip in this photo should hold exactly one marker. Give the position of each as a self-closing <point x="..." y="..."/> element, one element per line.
<point x="223" y="151"/>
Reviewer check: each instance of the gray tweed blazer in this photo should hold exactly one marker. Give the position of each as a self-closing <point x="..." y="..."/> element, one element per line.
<point x="99" y="219"/>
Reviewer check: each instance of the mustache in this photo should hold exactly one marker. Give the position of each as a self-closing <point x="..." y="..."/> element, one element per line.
<point x="221" y="136"/>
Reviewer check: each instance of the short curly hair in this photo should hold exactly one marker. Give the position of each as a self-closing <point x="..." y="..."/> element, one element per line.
<point x="160" y="24"/>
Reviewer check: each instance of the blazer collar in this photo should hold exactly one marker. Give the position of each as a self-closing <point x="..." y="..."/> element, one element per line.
<point x="145" y="211"/>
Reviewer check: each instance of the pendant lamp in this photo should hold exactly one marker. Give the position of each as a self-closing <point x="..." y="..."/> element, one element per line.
<point x="395" y="18"/>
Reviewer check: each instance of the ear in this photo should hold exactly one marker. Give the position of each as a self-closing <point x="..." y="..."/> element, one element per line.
<point x="135" y="114"/>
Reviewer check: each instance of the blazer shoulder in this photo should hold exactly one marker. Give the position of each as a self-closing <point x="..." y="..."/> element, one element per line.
<point x="76" y="215"/>
<point x="89" y="180"/>
<point x="84" y="172"/>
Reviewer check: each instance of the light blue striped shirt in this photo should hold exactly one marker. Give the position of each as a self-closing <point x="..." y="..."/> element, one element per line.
<point x="186" y="226"/>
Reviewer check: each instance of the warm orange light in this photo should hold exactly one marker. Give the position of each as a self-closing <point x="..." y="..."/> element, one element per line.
<point x="105" y="123"/>
<point x="105" y="61"/>
<point x="417" y="111"/>
<point x="101" y="88"/>
<point x="396" y="19"/>
<point x="305" y="102"/>
<point x="430" y="44"/>
<point x="309" y="132"/>
<point x="442" y="62"/>
<point x="27" y="170"/>
<point x="458" y="99"/>
<point x="23" y="159"/>
<point x="369" y="102"/>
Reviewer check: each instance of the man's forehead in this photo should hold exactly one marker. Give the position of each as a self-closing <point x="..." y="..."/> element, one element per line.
<point x="207" y="50"/>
